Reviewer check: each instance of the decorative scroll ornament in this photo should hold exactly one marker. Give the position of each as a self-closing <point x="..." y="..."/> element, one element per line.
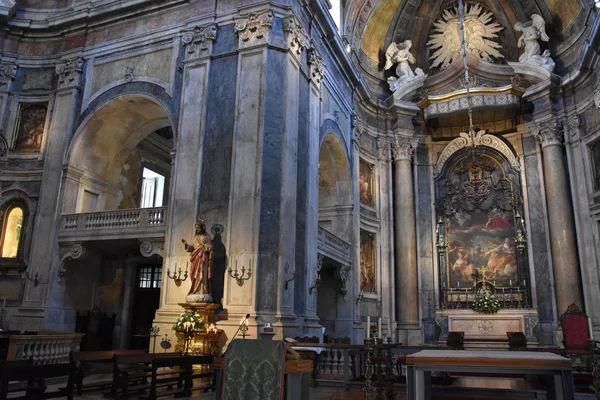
<point x="480" y="139"/>
<point x="549" y="133"/>
<point x="297" y="39"/>
<point x="128" y="74"/>
<point x="480" y="31"/>
<point x="403" y="147"/>
<point x="255" y="29"/>
<point x="71" y="252"/>
<point x="574" y="125"/>
<point x="359" y="129"/>
<point x="69" y="72"/>
<point x="199" y="41"/>
<point x="148" y="249"/>
<point x="8" y="72"/>
<point x="383" y="145"/>
<point x="316" y="65"/>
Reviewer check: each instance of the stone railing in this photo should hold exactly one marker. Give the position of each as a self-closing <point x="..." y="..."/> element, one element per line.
<point x="333" y="247"/>
<point x="136" y="223"/>
<point x="47" y="347"/>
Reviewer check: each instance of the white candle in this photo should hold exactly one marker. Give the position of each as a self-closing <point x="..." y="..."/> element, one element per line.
<point x="367" y="333"/>
<point x="379" y="328"/>
<point x="591" y="329"/>
<point x="510" y="283"/>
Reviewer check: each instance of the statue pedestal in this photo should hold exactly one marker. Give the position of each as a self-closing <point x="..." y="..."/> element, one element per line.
<point x="203" y="341"/>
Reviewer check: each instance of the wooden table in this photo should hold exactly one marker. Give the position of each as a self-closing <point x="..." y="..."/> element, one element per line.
<point x="420" y="365"/>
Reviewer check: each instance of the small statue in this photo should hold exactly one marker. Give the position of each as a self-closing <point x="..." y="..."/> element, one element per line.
<point x="401" y="55"/>
<point x="533" y="31"/>
<point x="201" y="260"/>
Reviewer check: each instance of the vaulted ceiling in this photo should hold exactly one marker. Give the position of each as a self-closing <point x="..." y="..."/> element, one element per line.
<point x="371" y="25"/>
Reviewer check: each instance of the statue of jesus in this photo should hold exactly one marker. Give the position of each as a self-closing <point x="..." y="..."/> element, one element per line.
<point x="201" y="258"/>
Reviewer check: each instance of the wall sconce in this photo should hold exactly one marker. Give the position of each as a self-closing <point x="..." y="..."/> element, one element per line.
<point x="360" y="297"/>
<point x="177" y="277"/>
<point x="318" y="280"/>
<point x="35" y="279"/>
<point x="287" y="267"/>
<point x="244" y="276"/>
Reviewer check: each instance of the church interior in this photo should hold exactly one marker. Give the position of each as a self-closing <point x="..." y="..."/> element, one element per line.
<point x="366" y="198"/>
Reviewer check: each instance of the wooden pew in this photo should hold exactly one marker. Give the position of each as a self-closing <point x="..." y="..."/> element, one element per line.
<point x="132" y="372"/>
<point x="180" y="370"/>
<point x="6" y="386"/>
<point x="35" y="377"/>
<point x="87" y="363"/>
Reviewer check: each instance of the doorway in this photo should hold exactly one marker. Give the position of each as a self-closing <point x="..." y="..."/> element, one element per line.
<point x="146" y="301"/>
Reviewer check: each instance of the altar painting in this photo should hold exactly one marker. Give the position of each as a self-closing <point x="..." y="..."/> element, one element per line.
<point x="368" y="264"/>
<point x="366" y="184"/>
<point x="30" y="127"/>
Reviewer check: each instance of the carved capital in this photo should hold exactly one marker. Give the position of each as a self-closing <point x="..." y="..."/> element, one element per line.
<point x="573" y="126"/>
<point x="404" y="147"/>
<point x="297" y="39"/>
<point x="69" y="72"/>
<point x="316" y="65"/>
<point x="549" y="133"/>
<point x="199" y="41"/>
<point x="359" y="129"/>
<point x="383" y="145"/>
<point x="8" y="72"/>
<point x="72" y="252"/>
<point x="255" y="29"/>
<point x="148" y="249"/>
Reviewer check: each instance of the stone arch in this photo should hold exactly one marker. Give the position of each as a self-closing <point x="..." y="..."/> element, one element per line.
<point x="102" y="143"/>
<point x="15" y="195"/>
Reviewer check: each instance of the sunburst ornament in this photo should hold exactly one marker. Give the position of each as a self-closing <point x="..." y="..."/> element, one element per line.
<point x="480" y="31"/>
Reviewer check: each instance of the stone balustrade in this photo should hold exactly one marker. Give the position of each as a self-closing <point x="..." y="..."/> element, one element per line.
<point x="47" y="347"/>
<point x="333" y="247"/>
<point x="136" y="223"/>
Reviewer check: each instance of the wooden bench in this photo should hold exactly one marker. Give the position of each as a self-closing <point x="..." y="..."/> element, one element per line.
<point x="88" y="363"/>
<point x="7" y="386"/>
<point x="132" y="372"/>
<point x="35" y="377"/>
<point x="181" y="372"/>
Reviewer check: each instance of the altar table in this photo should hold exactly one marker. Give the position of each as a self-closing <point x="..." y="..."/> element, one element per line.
<point x="420" y="365"/>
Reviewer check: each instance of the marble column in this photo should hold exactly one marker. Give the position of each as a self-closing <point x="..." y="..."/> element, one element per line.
<point x="562" y="232"/>
<point x="407" y="309"/>
<point x="44" y="252"/>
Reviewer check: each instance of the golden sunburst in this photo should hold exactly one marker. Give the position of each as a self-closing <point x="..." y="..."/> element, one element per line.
<point x="480" y="30"/>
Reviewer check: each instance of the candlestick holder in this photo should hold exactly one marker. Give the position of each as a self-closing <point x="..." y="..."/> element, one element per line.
<point x="35" y="279"/>
<point x="368" y="388"/>
<point x="244" y="329"/>
<point x="293" y="276"/>
<point x="176" y="276"/>
<point x="244" y="276"/>
<point x="379" y="361"/>
<point x="188" y="336"/>
<point x="153" y="333"/>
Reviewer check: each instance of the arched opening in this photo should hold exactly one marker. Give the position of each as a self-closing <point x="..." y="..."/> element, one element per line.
<point x="335" y="221"/>
<point x="121" y="157"/>
<point x="12" y="232"/>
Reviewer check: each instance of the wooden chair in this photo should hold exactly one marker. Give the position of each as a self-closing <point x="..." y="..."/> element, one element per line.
<point x="576" y="339"/>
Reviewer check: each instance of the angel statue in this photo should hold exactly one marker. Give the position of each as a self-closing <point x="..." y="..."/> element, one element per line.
<point x="533" y="31"/>
<point x="400" y="54"/>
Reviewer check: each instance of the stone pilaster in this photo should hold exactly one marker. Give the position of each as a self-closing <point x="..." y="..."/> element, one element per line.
<point x="407" y="305"/>
<point x="8" y="72"/>
<point x="44" y="252"/>
<point x="198" y="42"/>
<point x="562" y="230"/>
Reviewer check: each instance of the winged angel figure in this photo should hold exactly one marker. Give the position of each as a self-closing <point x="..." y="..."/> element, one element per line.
<point x="400" y="54"/>
<point x="533" y="31"/>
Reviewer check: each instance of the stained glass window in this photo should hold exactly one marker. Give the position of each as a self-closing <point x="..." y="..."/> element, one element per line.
<point x="11" y="232"/>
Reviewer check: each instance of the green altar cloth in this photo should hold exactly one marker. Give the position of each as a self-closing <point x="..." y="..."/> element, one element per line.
<point x="254" y="370"/>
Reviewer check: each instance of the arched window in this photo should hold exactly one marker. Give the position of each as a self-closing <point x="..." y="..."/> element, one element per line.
<point x="12" y="231"/>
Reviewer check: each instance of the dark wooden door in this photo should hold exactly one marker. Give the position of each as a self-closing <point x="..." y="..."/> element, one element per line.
<point x="145" y="303"/>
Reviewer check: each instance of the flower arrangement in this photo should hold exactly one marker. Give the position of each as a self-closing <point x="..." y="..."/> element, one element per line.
<point x="188" y="320"/>
<point x="486" y="304"/>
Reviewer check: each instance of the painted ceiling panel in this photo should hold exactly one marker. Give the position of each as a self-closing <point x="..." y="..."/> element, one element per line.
<point x="564" y="12"/>
<point x="378" y="26"/>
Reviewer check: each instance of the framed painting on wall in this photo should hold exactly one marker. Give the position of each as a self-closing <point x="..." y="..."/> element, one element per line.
<point x="366" y="184"/>
<point x="30" y="126"/>
<point x="368" y="262"/>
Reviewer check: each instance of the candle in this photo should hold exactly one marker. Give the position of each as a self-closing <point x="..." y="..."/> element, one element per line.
<point x="367" y="333"/>
<point x="510" y="283"/>
<point x="458" y="283"/>
<point x="379" y="328"/>
<point x="524" y="283"/>
<point x="591" y="329"/>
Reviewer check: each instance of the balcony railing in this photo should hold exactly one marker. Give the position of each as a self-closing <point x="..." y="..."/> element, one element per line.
<point x="47" y="347"/>
<point x="136" y="223"/>
<point x="333" y="247"/>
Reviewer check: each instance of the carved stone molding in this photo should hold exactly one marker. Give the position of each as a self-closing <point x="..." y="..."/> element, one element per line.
<point x="148" y="249"/>
<point x="8" y="72"/>
<point x="383" y="145"/>
<point x="480" y="139"/>
<point x="295" y="36"/>
<point x="403" y="147"/>
<point x="128" y="74"/>
<point x="72" y="252"/>
<point x="199" y="41"/>
<point x="316" y="65"/>
<point x="573" y="126"/>
<point x="359" y="129"/>
<point x="69" y="72"/>
<point x="255" y="29"/>
<point x="549" y="133"/>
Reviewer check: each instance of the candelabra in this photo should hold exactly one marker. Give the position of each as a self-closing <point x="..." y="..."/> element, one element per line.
<point x="153" y="333"/>
<point x="35" y="279"/>
<point x="188" y="336"/>
<point x="244" y="276"/>
<point x="368" y="389"/>
<point x="378" y="361"/>
<point x="176" y="276"/>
